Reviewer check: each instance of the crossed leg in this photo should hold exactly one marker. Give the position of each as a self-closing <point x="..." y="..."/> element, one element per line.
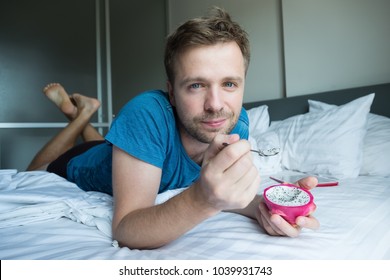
<point x="78" y="109"/>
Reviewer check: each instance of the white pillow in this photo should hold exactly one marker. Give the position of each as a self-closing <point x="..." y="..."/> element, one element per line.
<point x="258" y="137"/>
<point x="376" y="151"/>
<point x="376" y="145"/>
<point x="266" y="141"/>
<point x="258" y="120"/>
<point x="327" y="143"/>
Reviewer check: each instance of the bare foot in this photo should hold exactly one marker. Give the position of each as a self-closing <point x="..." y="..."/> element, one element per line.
<point x="85" y="105"/>
<point x="57" y="94"/>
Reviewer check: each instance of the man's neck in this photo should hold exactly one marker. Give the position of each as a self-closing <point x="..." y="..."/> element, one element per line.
<point x="194" y="148"/>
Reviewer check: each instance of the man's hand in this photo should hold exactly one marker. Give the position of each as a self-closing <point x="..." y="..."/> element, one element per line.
<point x="228" y="179"/>
<point x="274" y="224"/>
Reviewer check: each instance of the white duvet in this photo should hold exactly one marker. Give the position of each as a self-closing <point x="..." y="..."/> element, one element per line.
<point x="42" y="216"/>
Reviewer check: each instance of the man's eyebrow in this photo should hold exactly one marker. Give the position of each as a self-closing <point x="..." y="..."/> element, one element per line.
<point x="202" y="79"/>
<point x="192" y="80"/>
<point x="234" y="78"/>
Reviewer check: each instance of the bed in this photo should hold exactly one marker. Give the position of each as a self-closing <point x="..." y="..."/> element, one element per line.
<point x="43" y="216"/>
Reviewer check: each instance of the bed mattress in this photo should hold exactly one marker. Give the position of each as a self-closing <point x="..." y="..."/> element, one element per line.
<point x="43" y="216"/>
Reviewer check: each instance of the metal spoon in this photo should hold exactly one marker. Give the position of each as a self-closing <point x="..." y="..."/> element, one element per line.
<point x="263" y="153"/>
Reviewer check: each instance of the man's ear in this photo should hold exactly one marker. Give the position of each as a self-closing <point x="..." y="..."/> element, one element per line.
<point x="170" y="94"/>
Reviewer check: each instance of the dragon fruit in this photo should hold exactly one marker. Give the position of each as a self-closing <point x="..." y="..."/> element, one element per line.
<point x="289" y="201"/>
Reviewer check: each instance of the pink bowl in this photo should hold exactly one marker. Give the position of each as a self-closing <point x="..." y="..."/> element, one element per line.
<point x="289" y="201"/>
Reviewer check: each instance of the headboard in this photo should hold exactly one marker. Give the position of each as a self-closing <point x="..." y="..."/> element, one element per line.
<point x="280" y="109"/>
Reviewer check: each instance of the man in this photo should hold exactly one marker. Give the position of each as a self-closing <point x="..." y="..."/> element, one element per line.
<point x="161" y="141"/>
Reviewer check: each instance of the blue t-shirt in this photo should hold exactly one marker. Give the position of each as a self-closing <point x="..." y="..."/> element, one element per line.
<point x="146" y="129"/>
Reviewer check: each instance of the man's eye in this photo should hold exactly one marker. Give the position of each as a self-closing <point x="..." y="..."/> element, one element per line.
<point x="229" y="84"/>
<point x="195" y="86"/>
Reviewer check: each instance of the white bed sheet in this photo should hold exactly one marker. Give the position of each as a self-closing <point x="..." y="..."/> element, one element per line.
<point x="42" y="216"/>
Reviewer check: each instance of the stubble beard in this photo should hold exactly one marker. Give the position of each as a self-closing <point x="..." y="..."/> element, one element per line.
<point x="194" y="128"/>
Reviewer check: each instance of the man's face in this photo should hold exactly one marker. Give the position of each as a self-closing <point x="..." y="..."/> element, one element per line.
<point x="208" y="90"/>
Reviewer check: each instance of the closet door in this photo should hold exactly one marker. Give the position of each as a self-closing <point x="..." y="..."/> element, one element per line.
<point x="41" y="41"/>
<point x="137" y="37"/>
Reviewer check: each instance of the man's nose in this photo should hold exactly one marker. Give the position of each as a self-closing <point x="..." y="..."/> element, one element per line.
<point x="214" y="100"/>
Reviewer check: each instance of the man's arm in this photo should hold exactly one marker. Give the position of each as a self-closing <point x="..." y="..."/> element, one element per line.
<point x="137" y="221"/>
<point x="228" y="180"/>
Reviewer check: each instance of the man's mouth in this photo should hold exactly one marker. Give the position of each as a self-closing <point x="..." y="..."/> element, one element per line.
<point x="214" y="123"/>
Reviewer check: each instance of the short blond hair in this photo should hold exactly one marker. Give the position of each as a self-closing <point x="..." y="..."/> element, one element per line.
<point x="218" y="27"/>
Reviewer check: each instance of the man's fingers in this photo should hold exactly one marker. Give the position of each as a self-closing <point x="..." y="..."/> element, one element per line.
<point x="269" y="226"/>
<point x="308" y="222"/>
<point x="230" y="154"/>
<point x="308" y="182"/>
<point x="275" y="225"/>
<point x="217" y="145"/>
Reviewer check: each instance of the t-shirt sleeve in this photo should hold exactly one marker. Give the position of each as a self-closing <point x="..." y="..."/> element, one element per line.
<point x="141" y="129"/>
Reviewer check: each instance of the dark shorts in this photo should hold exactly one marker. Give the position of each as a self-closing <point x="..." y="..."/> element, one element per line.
<point x="59" y="166"/>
